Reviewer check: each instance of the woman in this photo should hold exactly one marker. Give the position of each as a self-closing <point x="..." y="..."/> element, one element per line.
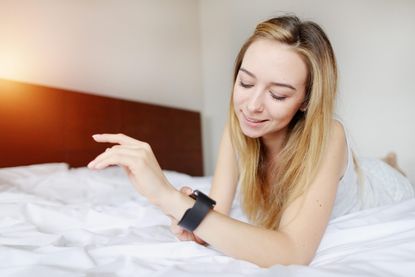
<point x="281" y="145"/>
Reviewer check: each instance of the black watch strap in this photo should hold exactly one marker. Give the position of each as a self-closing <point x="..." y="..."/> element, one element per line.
<point x="194" y="216"/>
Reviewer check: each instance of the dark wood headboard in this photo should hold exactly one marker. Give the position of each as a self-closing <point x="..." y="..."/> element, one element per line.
<point x="40" y="124"/>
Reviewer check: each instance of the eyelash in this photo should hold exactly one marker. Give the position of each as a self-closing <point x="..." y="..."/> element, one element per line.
<point x="245" y="85"/>
<point x="278" y="98"/>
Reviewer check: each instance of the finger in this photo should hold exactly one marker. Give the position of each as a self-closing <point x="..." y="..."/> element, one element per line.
<point x="117" y="138"/>
<point x="99" y="158"/>
<point x="115" y="150"/>
<point x="112" y="159"/>
<point x="176" y="229"/>
<point x="185" y="235"/>
<point x="182" y="234"/>
<point x="186" y="190"/>
<point x="199" y="240"/>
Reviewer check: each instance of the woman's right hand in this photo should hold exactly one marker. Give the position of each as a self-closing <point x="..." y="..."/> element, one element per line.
<point x="181" y="233"/>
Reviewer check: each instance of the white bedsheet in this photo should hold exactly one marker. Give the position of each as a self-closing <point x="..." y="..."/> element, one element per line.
<point x="60" y="222"/>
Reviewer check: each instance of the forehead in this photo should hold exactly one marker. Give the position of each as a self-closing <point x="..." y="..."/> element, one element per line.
<point x="272" y="61"/>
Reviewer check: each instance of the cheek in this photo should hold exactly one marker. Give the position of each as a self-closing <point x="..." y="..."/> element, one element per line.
<point x="237" y="98"/>
<point x="282" y="111"/>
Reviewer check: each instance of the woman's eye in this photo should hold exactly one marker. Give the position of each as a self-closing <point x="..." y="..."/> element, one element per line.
<point x="244" y="85"/>
<point x="279" y="98"/>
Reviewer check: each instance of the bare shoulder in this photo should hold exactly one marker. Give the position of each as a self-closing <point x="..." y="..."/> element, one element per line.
<point x="337" y="131"/>
<point x="337" y="146"/>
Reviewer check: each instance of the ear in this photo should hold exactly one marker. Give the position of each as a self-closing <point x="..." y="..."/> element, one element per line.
<point x="304" y="106"/>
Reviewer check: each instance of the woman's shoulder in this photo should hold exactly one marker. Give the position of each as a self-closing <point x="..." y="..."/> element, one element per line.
<point x="338" y="144"/>
<point x="338" y="131"/>
<point x="338" y="121"/>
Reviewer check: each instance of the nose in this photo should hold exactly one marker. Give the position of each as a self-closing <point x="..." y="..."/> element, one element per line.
<point x="255" y="102"/>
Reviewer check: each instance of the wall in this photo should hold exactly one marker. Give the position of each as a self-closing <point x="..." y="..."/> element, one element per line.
<point x="217" y="61"/>
<point x="181" y="53"/>
<point x="146" y="50"/>
<point x="374" y="45"/>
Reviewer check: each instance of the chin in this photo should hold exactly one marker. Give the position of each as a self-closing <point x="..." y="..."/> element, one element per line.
<point x="251" y="134"/>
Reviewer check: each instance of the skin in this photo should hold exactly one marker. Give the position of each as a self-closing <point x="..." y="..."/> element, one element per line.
<point x="270" y="88"/>
<point x="304" y="221"/>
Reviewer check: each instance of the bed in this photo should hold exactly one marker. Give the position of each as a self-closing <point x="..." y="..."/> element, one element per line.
<point x="57" y="218"/>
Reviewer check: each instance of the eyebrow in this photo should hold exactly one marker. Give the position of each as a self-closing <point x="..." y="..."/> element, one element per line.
<point x="273" y="83"/>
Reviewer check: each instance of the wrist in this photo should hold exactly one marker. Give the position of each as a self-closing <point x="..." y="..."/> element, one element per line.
<point x="194" y="216"/>
<point x="174" y="203"/>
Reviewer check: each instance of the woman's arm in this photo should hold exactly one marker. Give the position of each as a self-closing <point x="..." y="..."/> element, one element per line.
<point x="223" y="186"/>
<point x="225" y="179"/>
<point x="302" y="225"/>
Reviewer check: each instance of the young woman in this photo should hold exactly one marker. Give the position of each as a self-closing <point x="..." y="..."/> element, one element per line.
<point x="282" y="145"/>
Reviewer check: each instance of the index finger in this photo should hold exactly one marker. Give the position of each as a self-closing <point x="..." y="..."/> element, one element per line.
<point x="115" y="138"/>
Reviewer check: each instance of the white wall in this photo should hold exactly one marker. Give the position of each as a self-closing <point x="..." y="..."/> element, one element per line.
<point x="217" y="62"/>
<point x="146" y="50"/>
<point x="374" y="44"/>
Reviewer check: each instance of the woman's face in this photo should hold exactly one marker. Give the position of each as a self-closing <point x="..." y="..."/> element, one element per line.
<point x="269" y="89"/>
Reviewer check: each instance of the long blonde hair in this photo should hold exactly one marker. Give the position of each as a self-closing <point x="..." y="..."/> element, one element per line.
<point x="264" y="198"/>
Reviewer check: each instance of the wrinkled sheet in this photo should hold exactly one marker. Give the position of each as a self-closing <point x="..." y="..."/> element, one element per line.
<point x="56" y="221"/>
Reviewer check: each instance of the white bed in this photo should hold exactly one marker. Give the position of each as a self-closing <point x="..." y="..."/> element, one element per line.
<point x="56" y="221"/>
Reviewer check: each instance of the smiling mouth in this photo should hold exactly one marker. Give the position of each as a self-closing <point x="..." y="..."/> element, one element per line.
<point x="253" y="120"/>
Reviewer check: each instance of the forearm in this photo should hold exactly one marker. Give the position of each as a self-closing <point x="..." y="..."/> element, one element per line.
<point x="235" y="238"/>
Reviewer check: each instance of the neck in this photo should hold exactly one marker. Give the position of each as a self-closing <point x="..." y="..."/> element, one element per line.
<point x="273" y="144"/>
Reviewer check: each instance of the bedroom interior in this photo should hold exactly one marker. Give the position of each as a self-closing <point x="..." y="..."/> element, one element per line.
<point x="70" y="69"/>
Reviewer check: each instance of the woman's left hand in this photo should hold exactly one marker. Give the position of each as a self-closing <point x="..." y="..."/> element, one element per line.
<point x="137" y="158"/>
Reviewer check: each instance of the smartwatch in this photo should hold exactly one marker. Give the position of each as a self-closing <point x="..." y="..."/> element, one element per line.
<point x="193" y="216"/>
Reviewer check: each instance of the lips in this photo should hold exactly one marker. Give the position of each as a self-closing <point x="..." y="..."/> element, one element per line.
<point x="252" y="120"/>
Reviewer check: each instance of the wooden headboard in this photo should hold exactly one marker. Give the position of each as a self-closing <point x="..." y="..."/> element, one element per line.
<point x="40" y="124"/>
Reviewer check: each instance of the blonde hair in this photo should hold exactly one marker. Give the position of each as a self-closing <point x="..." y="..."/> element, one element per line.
<point x="264" y="198"/>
